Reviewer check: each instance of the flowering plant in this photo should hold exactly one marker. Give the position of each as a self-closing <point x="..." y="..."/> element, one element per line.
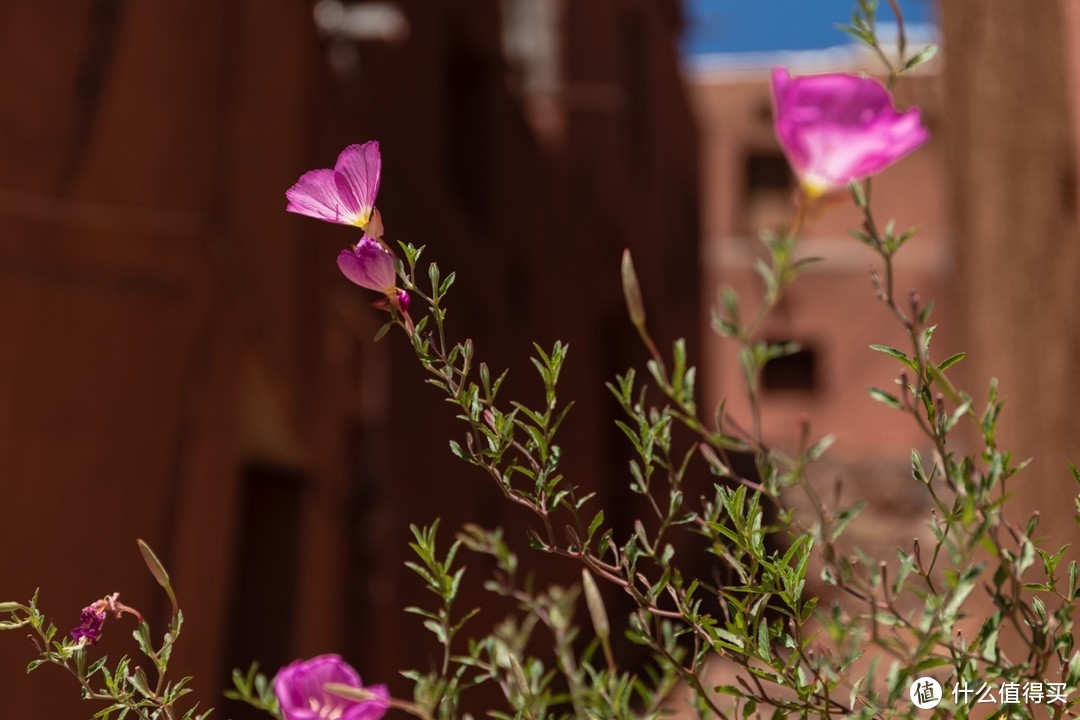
<point x="881" y="653"/>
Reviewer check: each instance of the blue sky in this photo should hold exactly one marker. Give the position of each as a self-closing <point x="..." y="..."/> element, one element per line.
<point x="739" y="26"/>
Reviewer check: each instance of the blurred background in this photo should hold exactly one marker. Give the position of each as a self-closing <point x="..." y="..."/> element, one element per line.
<point x="180" y="360"/>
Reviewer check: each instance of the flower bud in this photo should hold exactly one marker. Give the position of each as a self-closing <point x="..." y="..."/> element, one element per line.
<point x="369" y="265"/>
<point x="597" y="611"/>
<point x="632" y="291"/>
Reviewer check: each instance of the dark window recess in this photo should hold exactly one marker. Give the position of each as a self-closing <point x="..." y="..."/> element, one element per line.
<point x="767" y="186"/>
<point x="797" y="371"/>
<point x="764" y="113"/>
<point x="264" y="594"/>
<point x="767" y="172"/>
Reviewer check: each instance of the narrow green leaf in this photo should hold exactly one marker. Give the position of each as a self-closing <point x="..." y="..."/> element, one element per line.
<point x="920" y="57"/>
<point x="597" y="521"/>
<point x="382" y="331"/>
<point x="950" y="361"/>
<point x="885" y="398"/>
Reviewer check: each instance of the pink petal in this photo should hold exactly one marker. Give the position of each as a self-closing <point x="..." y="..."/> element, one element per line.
<point x="330" y="669"/>
<point x="361" y="167"/>
<point x="317" y="194"/>
<point x="369" y="265"/>
<point x="836" y="128"/>
<point x="301" y="692"/>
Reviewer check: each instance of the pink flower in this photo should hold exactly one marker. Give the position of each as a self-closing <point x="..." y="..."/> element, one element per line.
<point x="93" y="617"/>
<point x="369" y="265"/>
<point x="343" y="195"/>
<point x="839" y="128"/>
<point x="89" y="631"/>
<point x="301" y="691"/>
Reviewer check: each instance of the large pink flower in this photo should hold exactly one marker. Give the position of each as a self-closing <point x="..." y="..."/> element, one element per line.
<point x="301" y="691"/>
<point x="343" y="195"/>
<point x="838" y="128"/>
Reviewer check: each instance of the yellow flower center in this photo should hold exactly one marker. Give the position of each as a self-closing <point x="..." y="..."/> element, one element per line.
<point x="814" y="188"/>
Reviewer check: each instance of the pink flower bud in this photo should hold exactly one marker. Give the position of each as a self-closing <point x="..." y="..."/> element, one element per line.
<point x="369" y="265"/>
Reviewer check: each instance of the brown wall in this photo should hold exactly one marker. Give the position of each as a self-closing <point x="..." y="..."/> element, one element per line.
<point x="1011" y="134"/>
<point x="148" y="279"/>
<point x="180" y="361"/>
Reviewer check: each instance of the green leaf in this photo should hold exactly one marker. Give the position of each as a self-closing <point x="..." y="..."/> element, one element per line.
<point x="820" y="447"/>
<point x="924" y="314"/>
<point x="433" y="276"/>
<point x="382" y="331"/>
<point x="96" y="665"/>
<point x="950" y="361"/>
<point x="1073" y="676"/>
<point x="730" y="301"/>
<point x="597" y="521"/>
<point x="894" y="353"/>
<point x="729" y="690"/>
<point x="920" y="57"/>
<point x="436" y="628"/>
<point x="446" y="283"/>
<point x="885" y="398"/>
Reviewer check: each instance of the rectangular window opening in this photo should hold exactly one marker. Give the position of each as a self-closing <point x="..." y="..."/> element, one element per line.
<point x="796" y="372"/>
